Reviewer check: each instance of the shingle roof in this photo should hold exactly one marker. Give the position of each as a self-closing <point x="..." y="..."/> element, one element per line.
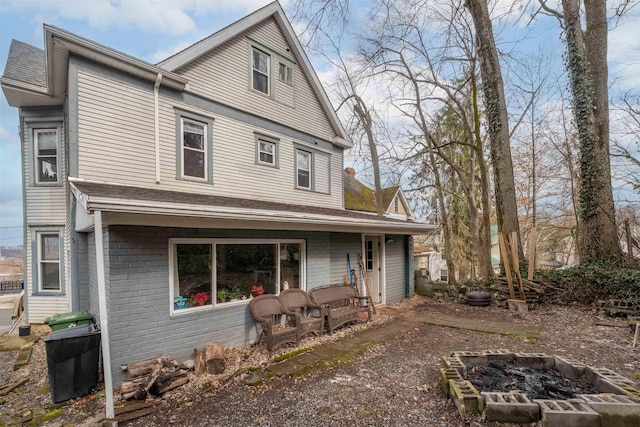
<point x="359" y="197"/>
<point x="175" y="197"/>
<point x="26" y="63"/>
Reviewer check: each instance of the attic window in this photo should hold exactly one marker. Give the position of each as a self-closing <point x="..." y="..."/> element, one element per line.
<point x="260" y="64"/>
<point x="285" y="74"/>
<point x="396" y="207"/>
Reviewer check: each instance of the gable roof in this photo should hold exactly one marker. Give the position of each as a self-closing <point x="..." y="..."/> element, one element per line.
<point x="275" y="11"/>
<point x="26" y="63"/>
<point x="359" y="197"/>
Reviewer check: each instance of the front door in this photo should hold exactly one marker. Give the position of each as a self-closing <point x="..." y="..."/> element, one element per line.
<point x="372" y="267"/>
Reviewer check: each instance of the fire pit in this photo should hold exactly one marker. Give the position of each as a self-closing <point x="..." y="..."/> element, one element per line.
<point x="527" y="387"/>
<point x="506" y="376"/>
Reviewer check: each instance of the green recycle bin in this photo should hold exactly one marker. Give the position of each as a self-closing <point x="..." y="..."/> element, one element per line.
<point x="69" y="320"/>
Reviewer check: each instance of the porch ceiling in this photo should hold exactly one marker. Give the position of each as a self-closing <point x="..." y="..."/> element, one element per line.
<point x="134" y="205"/>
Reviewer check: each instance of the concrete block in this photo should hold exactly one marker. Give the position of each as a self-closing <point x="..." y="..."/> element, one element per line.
<point x="615" y="410"/>
<point x="466" y="398"/>
<point x="447" y="374"/>
<point x="510" y="408"/>
<point x="472" y="358"/>
<point x="535" y="360"/>
<point x="109" y="423"/>
<point x="500" y="354"/>
<point x="632" y="392"/>
<point x="567" y="413"/>
<point x="455" y="363"/>
<point x="568" y="367"/>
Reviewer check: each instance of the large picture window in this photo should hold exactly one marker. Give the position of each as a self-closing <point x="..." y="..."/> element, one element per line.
<point x="212" y="272"/>
<point x="48" y="248"/>
<point x="46" y="155"/>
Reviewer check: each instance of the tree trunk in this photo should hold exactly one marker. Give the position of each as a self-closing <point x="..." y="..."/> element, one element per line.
<point x="587" y="66"/>
<point x="498" y="121"/>
<point x="486" y="268"/>
<point x="363" y="113"/>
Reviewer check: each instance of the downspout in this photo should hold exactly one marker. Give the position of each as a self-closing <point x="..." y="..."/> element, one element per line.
<point x="407" y="265"/>
<point x="156" y="117"/>
<point x="104" y="316"/>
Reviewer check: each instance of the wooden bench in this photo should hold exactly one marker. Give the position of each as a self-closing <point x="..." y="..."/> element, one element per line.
<point x="342" y="304"/>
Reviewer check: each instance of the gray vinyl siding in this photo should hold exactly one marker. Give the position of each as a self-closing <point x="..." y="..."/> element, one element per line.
<point x="395" y="269"/>
<point x="138" y="292"/>
<point x="94" y="306"/>
<point x="82" y="270"/>
<point x="223" y="75"/>
<point x="45" y="208"/>
<point x="116" y="144"/>
<point x="115" y="131"/>
<point x="341" y="245"/>
<point x="45" y="204"/>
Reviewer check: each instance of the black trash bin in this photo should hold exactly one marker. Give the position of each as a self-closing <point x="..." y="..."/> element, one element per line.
<point x="72" y="359"/>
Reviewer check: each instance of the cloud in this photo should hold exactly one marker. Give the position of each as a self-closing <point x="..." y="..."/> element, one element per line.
<point x="173" y="17"/>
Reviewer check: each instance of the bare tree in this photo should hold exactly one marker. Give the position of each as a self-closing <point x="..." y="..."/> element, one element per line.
<point x="497" y="118"/>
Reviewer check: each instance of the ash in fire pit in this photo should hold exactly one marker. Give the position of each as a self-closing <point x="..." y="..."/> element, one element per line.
<point x="506" y="376"/>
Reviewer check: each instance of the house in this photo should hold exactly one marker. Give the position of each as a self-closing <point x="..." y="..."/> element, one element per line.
<point x="359" y="197"/>
<point x="163" y="197"/>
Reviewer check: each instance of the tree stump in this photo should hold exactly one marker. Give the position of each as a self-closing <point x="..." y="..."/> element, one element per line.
<point x="198" y="357"/>
<point x="214" y="358"/>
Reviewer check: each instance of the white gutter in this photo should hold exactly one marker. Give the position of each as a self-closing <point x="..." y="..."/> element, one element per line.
<point x="104" y="316"/>
<point x="234" y="213"/>
<point x="156" y="86"/>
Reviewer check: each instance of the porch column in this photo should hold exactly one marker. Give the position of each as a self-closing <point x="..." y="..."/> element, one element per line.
<point x="104" y="316"/>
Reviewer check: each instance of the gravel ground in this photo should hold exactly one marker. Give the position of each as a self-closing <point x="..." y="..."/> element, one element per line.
<point x="392" y="384"/>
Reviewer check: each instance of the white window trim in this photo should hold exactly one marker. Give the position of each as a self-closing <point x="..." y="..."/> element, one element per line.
<point x="272" y="154"/>
<point x="310" y="170"/>
<point x="289" y="74"/>
<point x="213" y="241"/>
<point x="39" y="250"/>
<point x="205" y="150"/>
<point x="36" y="170"/>
<point x="268" y="73"/>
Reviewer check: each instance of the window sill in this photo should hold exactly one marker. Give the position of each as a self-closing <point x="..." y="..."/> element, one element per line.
<point x="195" y="310"/>
<point x="46" y="184"/>
<point x="269" y="165"/>
<point x="48" y="294"/>
<point x="194" y="179"/>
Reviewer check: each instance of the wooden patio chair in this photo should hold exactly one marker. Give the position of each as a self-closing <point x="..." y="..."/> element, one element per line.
<point x="311" y="315"/>
<point x="268" y="310"/>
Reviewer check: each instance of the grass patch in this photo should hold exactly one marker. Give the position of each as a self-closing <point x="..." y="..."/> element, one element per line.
<point x="290" y="354"/>
<point x="53" y="414"/>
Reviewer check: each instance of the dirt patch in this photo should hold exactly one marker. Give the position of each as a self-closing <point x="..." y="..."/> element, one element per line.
<point x="395" y="383"/>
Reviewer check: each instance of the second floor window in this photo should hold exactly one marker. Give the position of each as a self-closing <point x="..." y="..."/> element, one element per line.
<point x="194" y="149"/>
<point x="260" y="64"/>
<point x="46" y="155"/>
<point x="303" y="169"/>
<point x="266" y="152"/>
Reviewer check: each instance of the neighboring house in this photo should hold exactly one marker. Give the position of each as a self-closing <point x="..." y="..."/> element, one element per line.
<point x="359" y="197"/>
<point x="162" y="197"/>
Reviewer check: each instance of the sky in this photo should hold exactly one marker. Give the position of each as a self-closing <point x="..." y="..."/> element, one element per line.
<point x="154" y="29"/>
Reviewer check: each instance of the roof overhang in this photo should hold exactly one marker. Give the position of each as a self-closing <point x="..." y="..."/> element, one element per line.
<point x="58" y="45"/>
<point x="138" y="206"/>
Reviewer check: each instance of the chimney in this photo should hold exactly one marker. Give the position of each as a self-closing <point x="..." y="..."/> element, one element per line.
<point x="350" y="171"/>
